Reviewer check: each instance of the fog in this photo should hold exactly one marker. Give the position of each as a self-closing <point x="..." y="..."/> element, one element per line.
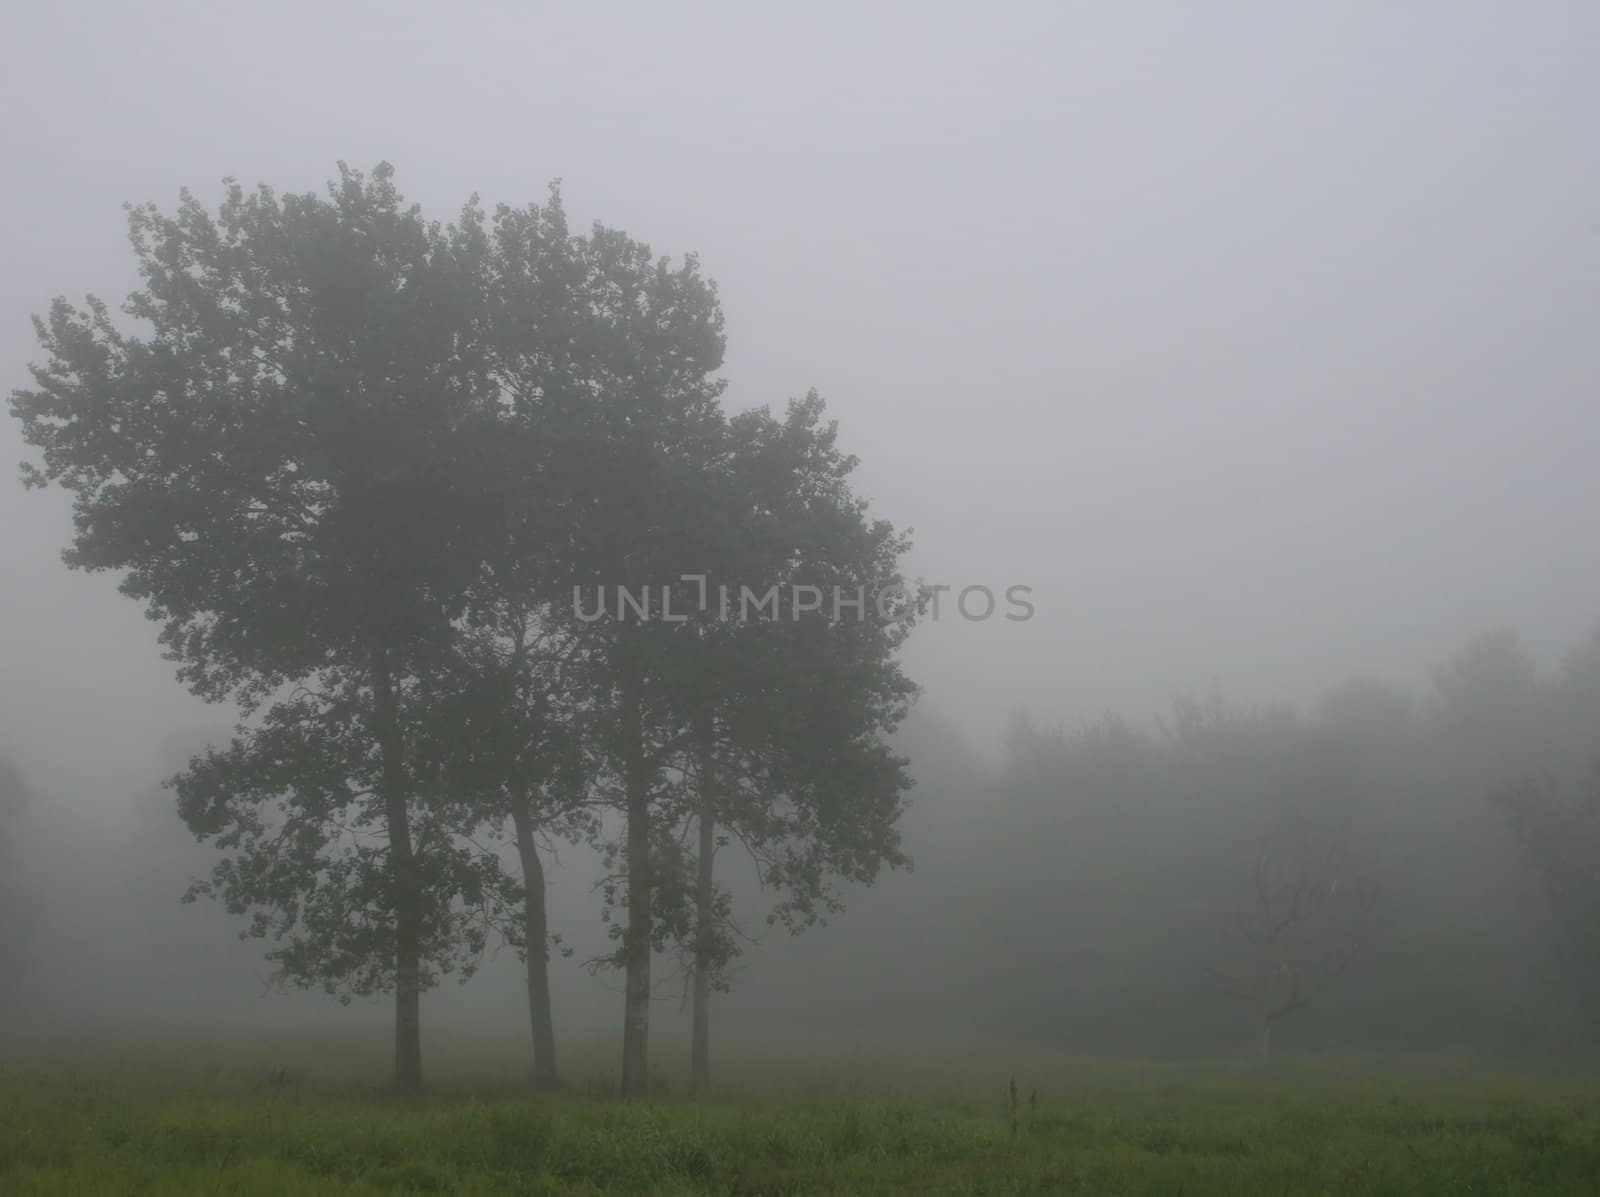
<point x="1258" y="343"/>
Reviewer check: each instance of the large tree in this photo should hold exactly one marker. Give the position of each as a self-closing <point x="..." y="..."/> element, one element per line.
<point x="790" y="713"/>
<point x="289" y="452"/>
<point x="606" y="356"/>
<point x="511" y="738"/>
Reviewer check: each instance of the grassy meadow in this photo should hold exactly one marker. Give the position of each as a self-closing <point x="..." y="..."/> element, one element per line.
<point x="312" y="1117"/>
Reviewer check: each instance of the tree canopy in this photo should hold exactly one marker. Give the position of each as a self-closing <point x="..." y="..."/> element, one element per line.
<point x="360" y="466"/>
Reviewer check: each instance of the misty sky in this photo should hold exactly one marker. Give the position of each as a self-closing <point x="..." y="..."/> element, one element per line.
<point x="1261" y="340"/>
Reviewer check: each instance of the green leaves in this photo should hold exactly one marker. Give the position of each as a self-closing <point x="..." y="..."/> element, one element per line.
<point x="282" y="461"/>
<point x="354" y="463"/>
<point x="291" y="456"/>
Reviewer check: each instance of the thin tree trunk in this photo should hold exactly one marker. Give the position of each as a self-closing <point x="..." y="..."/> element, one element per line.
<point x="407" y="898"/>
<point x="537" y="934"/>
<point x="700" y="1046"/>
<point x="637" y="941"/>
<point x="1264" y="1045"/>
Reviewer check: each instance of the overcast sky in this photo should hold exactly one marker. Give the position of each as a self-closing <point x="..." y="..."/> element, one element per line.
<point x="1261" y="340"/>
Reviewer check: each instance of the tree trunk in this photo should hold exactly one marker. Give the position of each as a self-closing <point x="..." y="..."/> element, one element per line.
<point x="407" y="895"/>
<point x="700" y="1046"/>
<point x="637" y="941"/>
<point x="536" y="931"/>
<point x="1264" y="1044"/>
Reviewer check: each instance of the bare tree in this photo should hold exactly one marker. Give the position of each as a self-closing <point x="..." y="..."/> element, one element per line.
<point x="1560" y="834"/>
<point x="1307" y="917"/>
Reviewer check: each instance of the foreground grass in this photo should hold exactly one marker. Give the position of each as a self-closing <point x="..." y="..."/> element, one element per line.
<point x="253" y="1131"/>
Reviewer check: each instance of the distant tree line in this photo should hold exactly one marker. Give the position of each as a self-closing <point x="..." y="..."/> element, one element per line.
<point x="1382" y="870"/>
<point x="357" y="464"/>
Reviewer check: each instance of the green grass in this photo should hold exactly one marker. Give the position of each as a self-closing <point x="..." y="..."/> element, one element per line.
<point x="163" y="1122"/>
